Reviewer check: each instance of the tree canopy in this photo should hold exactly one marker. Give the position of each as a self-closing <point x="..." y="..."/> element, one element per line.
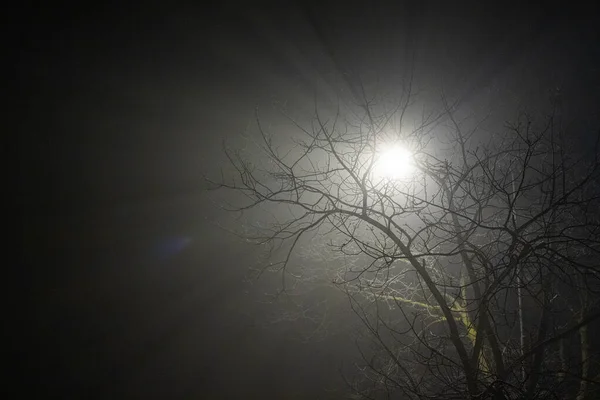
<point x="467" y="246"/>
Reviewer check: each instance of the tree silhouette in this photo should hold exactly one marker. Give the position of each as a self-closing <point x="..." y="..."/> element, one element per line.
<point x="474" y="274"/>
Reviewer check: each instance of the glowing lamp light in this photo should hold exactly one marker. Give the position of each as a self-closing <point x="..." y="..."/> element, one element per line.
<point x="394" y="163"/>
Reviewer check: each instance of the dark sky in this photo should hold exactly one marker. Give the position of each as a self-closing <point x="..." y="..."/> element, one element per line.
<point x="135" y="292"/>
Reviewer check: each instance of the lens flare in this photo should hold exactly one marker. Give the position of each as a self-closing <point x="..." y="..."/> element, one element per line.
<point x="171" y="246"/>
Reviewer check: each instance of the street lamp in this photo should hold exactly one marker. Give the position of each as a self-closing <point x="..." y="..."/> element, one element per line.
<point x="394" y="162"/>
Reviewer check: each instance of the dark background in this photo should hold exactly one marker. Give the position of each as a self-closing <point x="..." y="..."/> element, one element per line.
<point x="135" y="291"/>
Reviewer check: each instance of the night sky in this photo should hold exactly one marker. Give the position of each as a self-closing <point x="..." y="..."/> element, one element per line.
<point x="136" y="291"/>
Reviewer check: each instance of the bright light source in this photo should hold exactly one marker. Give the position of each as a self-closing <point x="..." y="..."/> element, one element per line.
<point x="395" y="162"/>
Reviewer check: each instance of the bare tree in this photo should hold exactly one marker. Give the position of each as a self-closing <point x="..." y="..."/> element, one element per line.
<point x="472" y="266"/>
